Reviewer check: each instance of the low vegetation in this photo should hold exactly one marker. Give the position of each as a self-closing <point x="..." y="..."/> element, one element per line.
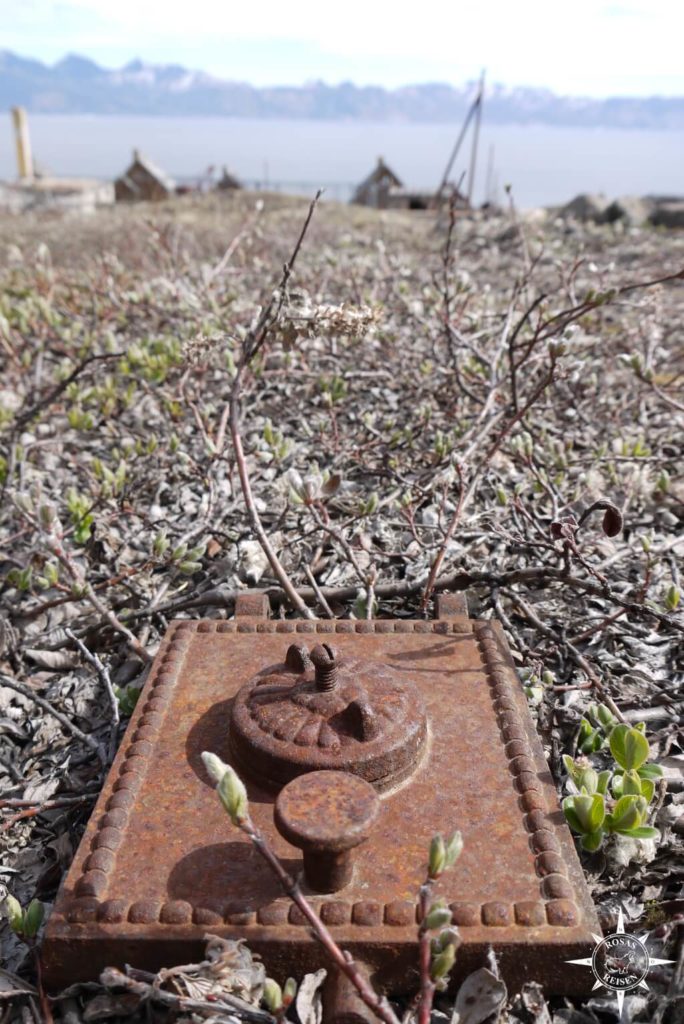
<point x="489" y="405"/>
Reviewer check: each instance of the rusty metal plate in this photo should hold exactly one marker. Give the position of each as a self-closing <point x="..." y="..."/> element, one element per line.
<point x="160" y="865"/>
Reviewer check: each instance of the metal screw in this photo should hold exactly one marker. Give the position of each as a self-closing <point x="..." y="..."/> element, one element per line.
<point x="323" y="657"/>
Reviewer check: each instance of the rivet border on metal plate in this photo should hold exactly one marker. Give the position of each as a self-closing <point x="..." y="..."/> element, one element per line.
<point x="556" y="906"/>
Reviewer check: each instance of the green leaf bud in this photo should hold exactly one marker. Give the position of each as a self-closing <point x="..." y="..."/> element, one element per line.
<point x="289" y="992"/>
<point x="215" y="767"/>
<point x="591" y="842"/>
<point x="590" y="811"/>
<point x="631" y="784"/>
<point x="442" y="964"/>
<point x="33" y="918"/>
<point x="438" y="916"/>
<point x="443" y="939"/>
<point x="628" y="814"/>
<point x="587" y="779"/>
<point x="453" y="850"/>
<point x="437" y="857"/>
<point x="272" y="997"/>
<point x="188" y="568"/>
<point x="160" y="544"/>
<point x="15" y="914"/>
<point x="47" y="513"/>
<point x="603" y="780"/>
<point x="233" y="795"/>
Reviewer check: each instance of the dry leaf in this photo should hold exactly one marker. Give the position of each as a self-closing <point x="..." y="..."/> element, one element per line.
<point x="52" y="660"/>
<point x="481" y="995"/>
<point x="308" y="1003"/>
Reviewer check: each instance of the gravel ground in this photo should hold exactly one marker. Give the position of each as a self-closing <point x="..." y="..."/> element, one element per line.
<point x="495" y="403"/>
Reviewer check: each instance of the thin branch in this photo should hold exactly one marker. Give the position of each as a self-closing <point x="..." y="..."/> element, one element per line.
<point x="26" y="691"/>
<point x="253" y="343"/>
<point x="105" y="678"/>
<point x="576" y="656"/>
<point x="320" y="596"/>
<point x="534" y="576"/>
<point x="65" y="559"/>
<point x="341" y="958"/>
<point x="111" y="977"/>
<point x="255" y="520"/>
<point x="437" y="564"/>
<point x="25" y="417"/>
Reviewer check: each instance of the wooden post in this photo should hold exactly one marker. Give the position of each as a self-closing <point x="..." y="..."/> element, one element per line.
<point x="23" y="140"/>
<point x="489" y="185"/>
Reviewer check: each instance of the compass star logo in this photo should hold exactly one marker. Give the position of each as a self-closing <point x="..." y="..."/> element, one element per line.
<point x="620" y="962"/>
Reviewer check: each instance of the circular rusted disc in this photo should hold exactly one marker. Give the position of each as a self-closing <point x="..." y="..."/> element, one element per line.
<point x="373" y="724"/>
<point x="326" y="811"/>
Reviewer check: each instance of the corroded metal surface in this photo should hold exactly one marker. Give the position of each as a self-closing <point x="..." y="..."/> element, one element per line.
<point x="160" y="865"/>
<point x="319" y="710"/>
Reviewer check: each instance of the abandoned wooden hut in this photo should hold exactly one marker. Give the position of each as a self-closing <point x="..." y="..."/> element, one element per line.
<point x="375" y="189"/>
<point x="385" y="191"/>
<point x="143" y="180"/>
<point x="409" y="199"/>
<point x="227" y="181"/>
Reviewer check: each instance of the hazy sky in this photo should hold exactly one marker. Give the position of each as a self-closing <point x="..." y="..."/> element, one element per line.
<point x="582" y="47"/>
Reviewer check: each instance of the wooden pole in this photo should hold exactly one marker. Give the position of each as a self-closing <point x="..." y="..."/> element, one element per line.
<point x="489" y="186"/>
<point x="23" y="141"/>
<point x="476" y="138"/>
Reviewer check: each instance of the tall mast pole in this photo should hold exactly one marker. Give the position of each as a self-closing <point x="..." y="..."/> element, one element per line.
<point x="476" y="138"/>
<point x="454" y="152"/>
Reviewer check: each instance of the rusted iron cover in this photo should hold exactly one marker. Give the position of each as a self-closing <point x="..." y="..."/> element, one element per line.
<point x="318" y="711"/>
<point x="160" y="865"/>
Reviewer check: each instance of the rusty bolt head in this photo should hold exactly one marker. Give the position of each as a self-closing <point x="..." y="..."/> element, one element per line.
<point x="326" y="814"/>
<point x="328" y="811"/>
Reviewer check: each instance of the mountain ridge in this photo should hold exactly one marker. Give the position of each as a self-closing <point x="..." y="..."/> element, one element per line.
<point x="78" y="85"/>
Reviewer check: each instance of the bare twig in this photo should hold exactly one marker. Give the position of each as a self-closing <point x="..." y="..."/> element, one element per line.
<point x="65" y="559"/>
<point x="252" y="345"/>
<point x="34" y="810"/>
<point x="576" y="656"/>
<point x="103" y="673"/>
<point x="342" y="959"/>
<point x="26" y="691"/>
<point x="111" y="977"/>
<point x="320" y="596"/>
<point x="25" y="417"/>
<point x="436" y="565"/>
<point x="534" y="576"/>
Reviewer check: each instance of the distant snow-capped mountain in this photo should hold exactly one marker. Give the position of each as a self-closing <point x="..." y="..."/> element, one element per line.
<point x="77" y="85"/>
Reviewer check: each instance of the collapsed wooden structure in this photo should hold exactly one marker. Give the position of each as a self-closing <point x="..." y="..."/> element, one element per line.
<point x="143" y="180"/>
<point x="384" y="190"/>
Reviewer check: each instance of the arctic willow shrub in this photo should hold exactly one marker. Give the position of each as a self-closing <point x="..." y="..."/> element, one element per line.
<point x="614" y="801"/>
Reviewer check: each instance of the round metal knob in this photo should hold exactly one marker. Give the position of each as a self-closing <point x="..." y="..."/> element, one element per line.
<point x="326" y="815"/>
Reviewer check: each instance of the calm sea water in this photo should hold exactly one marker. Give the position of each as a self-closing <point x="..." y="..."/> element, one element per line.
<point x="543" y="164"/>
